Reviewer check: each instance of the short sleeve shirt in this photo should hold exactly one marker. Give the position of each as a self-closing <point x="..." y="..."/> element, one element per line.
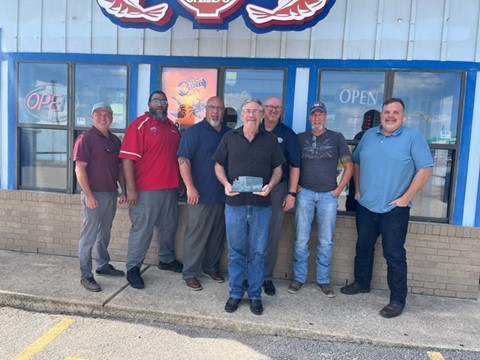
<point x="100" y="152"/>
<point x="388" y="165"/>
<point x="320" y="157"/>
<point x="198" y="144"/>
<point x="153" y="146"/>
<point x="288" y="141"/>
<point x="240" y="157"/>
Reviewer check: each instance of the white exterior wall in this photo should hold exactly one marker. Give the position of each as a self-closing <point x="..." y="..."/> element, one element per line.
<point x="436" y="30"/>
<point x="443" y="30"/>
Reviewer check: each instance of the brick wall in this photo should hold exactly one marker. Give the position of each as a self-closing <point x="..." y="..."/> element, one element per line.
<point x="443" y="260"/>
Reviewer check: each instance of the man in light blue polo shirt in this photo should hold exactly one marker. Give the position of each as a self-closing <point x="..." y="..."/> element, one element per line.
<point x="392" y="163"/>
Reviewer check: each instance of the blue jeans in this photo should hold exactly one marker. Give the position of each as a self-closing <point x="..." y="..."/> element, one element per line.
<point x="393" y="227"/>
<point x="246" y="226"/>
<point x="325" y="205"/>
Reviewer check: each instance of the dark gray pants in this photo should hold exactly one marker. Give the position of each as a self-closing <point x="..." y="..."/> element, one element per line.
<point x="204" y="237"/>
<point x="96" y="227"/>
<point x="275" y="230"/>
<point x="155" y="208"/>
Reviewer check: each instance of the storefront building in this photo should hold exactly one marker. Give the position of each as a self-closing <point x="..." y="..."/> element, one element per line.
<point x="60" y="57"/>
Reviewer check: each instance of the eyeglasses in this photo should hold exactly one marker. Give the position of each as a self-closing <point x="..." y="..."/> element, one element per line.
<point x="159" y="101"/>
<point x="213" y="108"/>
<point x="251" y="112"/>
<point x="272" y="107"/>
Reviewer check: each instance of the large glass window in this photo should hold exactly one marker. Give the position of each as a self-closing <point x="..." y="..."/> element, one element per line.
<point x="348" y="95"/>
<point x="43" y="159"/>
<point x="432" y="101"/>
<point x="241" y="84"/>
<point x="42" y="94"/>
<point x="96" y="83"/>
<point x="49" y="117"/>
<point x="432" y="105"/>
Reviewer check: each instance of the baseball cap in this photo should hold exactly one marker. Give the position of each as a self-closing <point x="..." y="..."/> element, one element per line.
<point x="101" y="106"/>
<point x="318" y="105"/>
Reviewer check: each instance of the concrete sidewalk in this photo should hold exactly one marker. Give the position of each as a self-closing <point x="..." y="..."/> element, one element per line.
<point x="52" y="284"/>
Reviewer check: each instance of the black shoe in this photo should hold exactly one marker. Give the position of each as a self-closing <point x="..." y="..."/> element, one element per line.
<point x="269" y="288"/>
<point x="392" y="310"/>
<point x="110" y="270"/>
<point x="256" y="307"/>
<point x="232" y="305"/>
<point x="175" y="266"/>
<point x="353" y="289"/>
<point x="134" y="278"/>
<point x="90" y="284"/>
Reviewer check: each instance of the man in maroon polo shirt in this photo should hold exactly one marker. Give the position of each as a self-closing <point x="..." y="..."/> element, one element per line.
<point x="99" y="172"/>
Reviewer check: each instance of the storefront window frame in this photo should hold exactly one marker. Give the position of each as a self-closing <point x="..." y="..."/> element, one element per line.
<point x="388" y="93"/>
<point x="70" y="127"/>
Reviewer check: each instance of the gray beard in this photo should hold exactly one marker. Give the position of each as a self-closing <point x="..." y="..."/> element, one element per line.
<point x="158" y="116"/>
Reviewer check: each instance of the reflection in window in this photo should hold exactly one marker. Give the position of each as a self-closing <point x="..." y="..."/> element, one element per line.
<point x="432" y="103"/>
<point x="100" y="83"/>
<point x="432" y="200"/>
<point x="43" y="159"/>
<point x="348" y="95"/>
<point x="42" y="94"/>
<point x="241" y="84"/>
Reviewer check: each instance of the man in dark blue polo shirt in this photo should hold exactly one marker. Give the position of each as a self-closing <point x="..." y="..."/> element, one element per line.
<point x="283" y="195"/>
<point x="205" y="231"/>
<point x="248" y="151"/>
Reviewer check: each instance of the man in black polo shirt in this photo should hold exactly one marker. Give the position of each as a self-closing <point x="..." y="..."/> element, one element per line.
<point x="248" y="151"/>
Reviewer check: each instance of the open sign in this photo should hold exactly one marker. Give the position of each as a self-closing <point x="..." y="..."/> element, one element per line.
<point x="48" y="102"/>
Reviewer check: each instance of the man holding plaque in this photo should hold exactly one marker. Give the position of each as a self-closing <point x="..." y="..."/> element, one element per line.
<point x="248" y="163"/>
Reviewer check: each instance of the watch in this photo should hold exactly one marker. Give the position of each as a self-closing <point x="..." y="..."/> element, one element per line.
<point x="294" y="194"/>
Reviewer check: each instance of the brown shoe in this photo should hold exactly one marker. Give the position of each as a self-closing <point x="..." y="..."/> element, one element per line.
<point x="295" y="287"/>
<point x="326" y="290"/>
<point x="193" y="284"/>
<point x="216" y="276"/>
<point x="391" y="310"/>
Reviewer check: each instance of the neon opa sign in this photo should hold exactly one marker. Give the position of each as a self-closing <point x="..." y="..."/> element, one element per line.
<point x="47" y="102"/>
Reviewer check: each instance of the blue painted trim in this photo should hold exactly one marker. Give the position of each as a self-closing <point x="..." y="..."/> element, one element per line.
<point x="313" y="83"/>
<point x="291" y="75"/>
<point x="154" y="78"/>
<point x="133" y="92"/>
<point x="464" y="149"/>
<point x="11" y="127"/>
<point x="248" y="62"/>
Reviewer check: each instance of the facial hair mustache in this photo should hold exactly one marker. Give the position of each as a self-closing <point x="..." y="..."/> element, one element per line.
<point x="160" y="115"/>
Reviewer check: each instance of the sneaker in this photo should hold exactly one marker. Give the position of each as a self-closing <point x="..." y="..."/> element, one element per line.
<point x="134" y="278"/>
<point x="90" y="284"/>
<point x="353" y="289"/>
<point x="326" y="290"/>
<point x="295" y="287"/>
<point x="269" y="288"/>
<point x="175" y="266"/>
<point x="109" y="270"/>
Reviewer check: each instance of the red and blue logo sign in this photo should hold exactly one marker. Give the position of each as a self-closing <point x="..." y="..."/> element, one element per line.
<point x="260" y="16"/>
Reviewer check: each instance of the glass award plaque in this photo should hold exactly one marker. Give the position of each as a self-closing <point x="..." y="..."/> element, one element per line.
<point x="247" y="184"/>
